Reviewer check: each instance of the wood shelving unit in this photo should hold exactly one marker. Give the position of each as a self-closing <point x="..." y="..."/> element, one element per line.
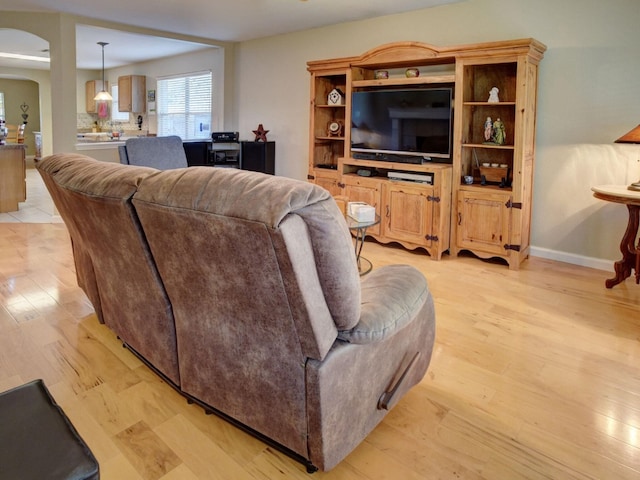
<point x="490" y="219"/>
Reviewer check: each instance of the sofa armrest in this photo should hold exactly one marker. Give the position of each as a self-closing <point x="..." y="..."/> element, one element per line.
<point x="392" y="296"/>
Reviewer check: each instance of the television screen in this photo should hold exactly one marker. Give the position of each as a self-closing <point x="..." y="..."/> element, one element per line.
<point x="413" y="122"/>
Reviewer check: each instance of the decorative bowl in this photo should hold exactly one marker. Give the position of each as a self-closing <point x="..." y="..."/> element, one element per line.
<point x="412" y="72"/>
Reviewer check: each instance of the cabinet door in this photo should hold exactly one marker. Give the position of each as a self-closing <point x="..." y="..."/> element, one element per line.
<point x="132" y="93"/>
<point x="366" y="190"/>
<point x="124" y="94"/>
<point x="92" y="87"/>
<point x="483" y="222"/>
<point x="409" y="213"/>
<point x="330" y="184"/>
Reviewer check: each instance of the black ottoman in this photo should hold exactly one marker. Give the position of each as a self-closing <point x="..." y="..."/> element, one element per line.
<point x="37" y="440"/>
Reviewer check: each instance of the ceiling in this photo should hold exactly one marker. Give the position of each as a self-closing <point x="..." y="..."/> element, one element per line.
<point x="221" y="20"/>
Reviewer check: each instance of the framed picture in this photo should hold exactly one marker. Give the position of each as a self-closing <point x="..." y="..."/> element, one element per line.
<point x="151" y="95"/>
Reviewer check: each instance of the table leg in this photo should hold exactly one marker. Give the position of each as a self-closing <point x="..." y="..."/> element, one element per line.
<point x="630" y="254"/>
<point x="638" y="264"/>
<point x="360" y="234"/>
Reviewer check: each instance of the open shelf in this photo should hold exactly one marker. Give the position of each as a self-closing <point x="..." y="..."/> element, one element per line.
<point x="488" y="145"/>
<point x="392" y="82"/>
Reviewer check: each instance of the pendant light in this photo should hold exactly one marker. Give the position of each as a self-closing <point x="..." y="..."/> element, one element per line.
<point x="103" y="95"/>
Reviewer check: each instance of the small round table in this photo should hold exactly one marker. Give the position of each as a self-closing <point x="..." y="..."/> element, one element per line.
<point x="630" y="253"/>
<point x="360" y="232"/>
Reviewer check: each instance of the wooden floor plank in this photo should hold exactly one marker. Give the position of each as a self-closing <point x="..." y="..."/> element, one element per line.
<point x="146" y="451"/>
<point x="534" y="376"/>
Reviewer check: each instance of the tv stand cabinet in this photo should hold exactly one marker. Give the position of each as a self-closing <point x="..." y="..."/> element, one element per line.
<point x="413" y="213"/>
<point x="489" y="218"/>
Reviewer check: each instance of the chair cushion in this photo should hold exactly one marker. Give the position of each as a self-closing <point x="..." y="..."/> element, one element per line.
<point x="163" y="153"/>
<point x="391" y="297"/>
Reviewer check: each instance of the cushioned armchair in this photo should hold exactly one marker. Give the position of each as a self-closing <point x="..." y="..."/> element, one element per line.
<point x="158" y="152"/>
<point x="274" y="327"/>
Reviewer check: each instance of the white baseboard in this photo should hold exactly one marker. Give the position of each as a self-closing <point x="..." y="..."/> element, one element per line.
<point x="597" y="263"/>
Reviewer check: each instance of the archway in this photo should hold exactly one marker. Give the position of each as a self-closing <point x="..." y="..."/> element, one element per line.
<point x="26" y="83"/>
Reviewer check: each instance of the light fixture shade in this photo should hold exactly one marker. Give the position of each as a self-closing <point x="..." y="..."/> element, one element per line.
<point x="630" y="137"/>
<point x="103" y="96"/>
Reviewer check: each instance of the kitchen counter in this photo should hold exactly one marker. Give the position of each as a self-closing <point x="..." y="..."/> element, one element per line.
<point x="96" y="145"/>
<point x="101" y="140"/>
<point x="13" y="187"/>
<point x="97" y="141"/>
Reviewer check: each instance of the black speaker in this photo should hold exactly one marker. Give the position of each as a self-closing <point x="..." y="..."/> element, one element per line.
<point x="259" y="157"/>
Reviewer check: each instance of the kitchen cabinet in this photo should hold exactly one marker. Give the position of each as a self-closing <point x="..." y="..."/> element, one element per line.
<point x="132" y="91"/>
<point x="92" y="88"/>
<point x="13" y="184"/>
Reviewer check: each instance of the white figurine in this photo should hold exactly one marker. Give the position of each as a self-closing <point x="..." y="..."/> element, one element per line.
<point x="493" y="95"/>
<point x="488" y="129"/>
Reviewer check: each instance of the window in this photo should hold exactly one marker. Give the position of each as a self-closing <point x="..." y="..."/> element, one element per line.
<point x="117" y="116"/>
<point x="184" y="105"/>
<point x="2" y="105"/>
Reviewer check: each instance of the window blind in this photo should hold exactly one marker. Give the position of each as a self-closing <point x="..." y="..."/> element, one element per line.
<point x="185" y="105"/>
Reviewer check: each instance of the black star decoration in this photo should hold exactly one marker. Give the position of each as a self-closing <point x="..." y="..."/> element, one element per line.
<point x="261" y="133"/>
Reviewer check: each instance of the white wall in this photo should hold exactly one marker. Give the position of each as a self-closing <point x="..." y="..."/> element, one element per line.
<point x="207" y="59"/>
<point x="587" y="98"/>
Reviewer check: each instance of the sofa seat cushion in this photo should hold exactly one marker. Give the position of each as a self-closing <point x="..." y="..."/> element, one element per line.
<point x="391" y="297"/>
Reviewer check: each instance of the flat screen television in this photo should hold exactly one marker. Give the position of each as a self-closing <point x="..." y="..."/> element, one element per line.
<point x="405" y="125"/>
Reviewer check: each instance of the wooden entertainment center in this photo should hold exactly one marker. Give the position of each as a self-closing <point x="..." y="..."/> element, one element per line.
<point x="491" y="216"/>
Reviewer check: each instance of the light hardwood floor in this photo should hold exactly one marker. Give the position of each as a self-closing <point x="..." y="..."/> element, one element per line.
<point x="534" y="376"/>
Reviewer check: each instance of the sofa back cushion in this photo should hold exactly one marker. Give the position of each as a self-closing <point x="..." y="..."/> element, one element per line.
<point x="269" y="201"/>
<point x="94" y="199"/>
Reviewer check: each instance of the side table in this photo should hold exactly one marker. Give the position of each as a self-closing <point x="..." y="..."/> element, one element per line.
<point x="360" y="232"/>
<point x="630" y="252"/>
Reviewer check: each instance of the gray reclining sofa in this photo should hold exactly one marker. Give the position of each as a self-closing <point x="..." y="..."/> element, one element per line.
<point x="242" y="291"/>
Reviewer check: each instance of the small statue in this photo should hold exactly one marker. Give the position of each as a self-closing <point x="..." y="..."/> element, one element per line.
<point x="261" y="133"/>
<point x="493" y="95"/>
<point x="499" y="137"/>
<point x="488" y="129"/>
